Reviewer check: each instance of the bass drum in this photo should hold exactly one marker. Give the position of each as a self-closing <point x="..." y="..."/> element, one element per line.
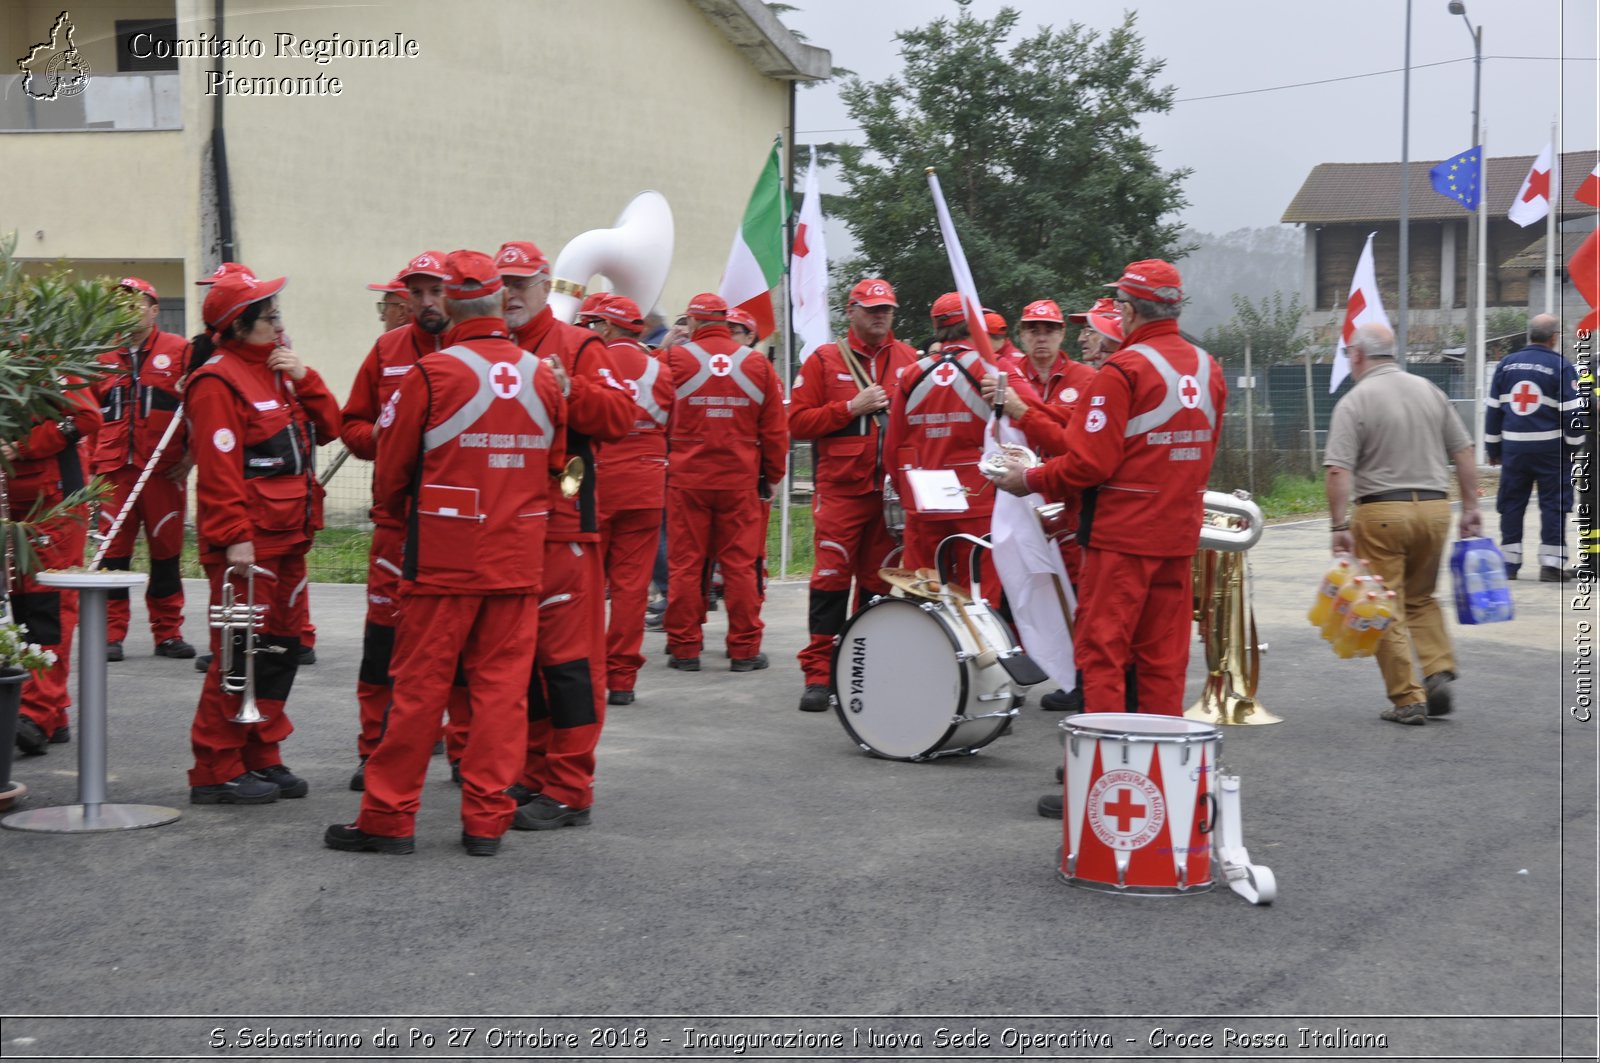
<point x="908" y="684"/>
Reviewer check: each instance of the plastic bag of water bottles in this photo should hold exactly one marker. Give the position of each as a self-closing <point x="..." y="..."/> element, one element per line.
<point x="1479" y="572"/>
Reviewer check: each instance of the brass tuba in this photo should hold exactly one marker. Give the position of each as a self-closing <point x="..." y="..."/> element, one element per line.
<point x="1227" y="620"/>
<point x="634" y="256"/>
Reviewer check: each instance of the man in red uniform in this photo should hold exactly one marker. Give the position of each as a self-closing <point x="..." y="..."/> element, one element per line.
<point x="1139" y="453"/>
<point x="1102" y="332"/>
<point x="45" y="468"/>
<point x="634" y="470"/>
<point x="742" y="326"/>
<point x="839" y="400"/>
<point x="729" y="443"/>
<point x="394" y="308"/>
<point x="566" y="698"/>
<point x="256" y="412"/>
<point x="937" y="419"/>
<point x="385" y="368"/>
<point x="138" y="398"/>
<point x="466" y="447"/>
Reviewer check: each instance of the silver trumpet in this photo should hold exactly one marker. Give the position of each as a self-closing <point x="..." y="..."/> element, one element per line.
<point x="232" y="616"/>
<point x="993" y="464"/>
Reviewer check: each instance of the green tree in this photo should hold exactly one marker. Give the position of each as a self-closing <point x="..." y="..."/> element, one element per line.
<point x="1037" y="146"/>
<point x="52" y="328"/>
<point x="1273" y="329"/>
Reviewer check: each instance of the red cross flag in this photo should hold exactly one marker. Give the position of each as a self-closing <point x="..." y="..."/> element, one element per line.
<point x="808" y="270"/>
<point x="1533" y="198"/>
<point x="1584" y="269"/>
<point x="1589" y="191"/>
<point x="960" y="270"/>
<point x="1365" y="306"/>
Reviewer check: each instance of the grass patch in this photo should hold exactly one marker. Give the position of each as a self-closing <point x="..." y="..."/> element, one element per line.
<point x="1293" y="495"/>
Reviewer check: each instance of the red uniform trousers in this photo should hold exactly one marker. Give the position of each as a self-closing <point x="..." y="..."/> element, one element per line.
<point x="374" y="683"/>
<point x="493" y="637"/>
<point x="224" y="750"/>
<point x="51" y="615"/>
<point x="159" y="510"/>
<point x="628" y="541"/>
<point x="1134" y="611"/>
<point x="850" y="542"/>
<point x="567" y="692"/>
<point x="922" y="539"/>
<point x="706" y="526"/>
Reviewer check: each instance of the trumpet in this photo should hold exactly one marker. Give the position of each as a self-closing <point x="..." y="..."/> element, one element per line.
<point x="232" y="617"/>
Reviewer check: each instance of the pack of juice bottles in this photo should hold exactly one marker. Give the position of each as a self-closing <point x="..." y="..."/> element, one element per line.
<point x="1352" y="608"/>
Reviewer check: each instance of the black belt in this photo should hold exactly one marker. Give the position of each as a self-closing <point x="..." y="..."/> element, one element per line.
<point x="1407" y="495"/>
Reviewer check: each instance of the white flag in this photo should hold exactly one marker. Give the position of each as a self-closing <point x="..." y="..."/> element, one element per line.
<point x="1034" y="578"/>
<point x="1365" y="306"/>
<point x="1533" y="198"/>
<point x="808" y="270"/>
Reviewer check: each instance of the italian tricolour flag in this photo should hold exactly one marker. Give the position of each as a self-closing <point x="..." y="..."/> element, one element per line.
<point x="755" y="263"/>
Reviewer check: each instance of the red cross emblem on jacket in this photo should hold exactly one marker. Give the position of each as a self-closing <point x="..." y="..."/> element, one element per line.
<point x="506" y="381"/>
<point x="1525" y="398"/>
<point x="721" y="364"/>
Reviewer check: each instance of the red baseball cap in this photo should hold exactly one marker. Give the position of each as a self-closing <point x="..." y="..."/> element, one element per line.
<point x="620" y="311"/>
<point x="222" y="271"/>
<point x="140" y="285"/>
<point x="872" y="292"/>
<point x="589" y="309"/>
<point x="707" y="306"/>
<point x="388" y="286"/>
<point x="1143" y="279"/>
<point x="521" y="258"/>
<point x="1103" y="305"/>
<point x="427" y="264"/>
<point x="947" y="309"/>
<point x="738" y="316"/>
<point x="471" y="267"/>
<point x="232" y="292"/>
<point x="1043" y="310"/>
<point x="993" y="322"/>
<point x="1106" y="322"/>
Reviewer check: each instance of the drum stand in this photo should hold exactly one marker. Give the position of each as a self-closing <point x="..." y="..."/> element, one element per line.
<point x="92" y="813"/>
<point x="1254" y="882"/>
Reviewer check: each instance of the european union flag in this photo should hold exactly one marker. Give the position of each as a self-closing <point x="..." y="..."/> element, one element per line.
<point x="1460" y="177"/>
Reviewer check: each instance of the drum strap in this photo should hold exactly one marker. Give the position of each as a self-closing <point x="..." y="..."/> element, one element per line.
<point x="852" y="362"/>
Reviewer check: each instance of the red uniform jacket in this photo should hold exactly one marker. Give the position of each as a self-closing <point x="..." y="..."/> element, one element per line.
<point x="728" y="428"/>
<point x="48" y="464"/>
<point x="1045" y="424"/>
<point x="598" y="411"/>
<point x="254" y="434"/>
<point x="138" y="397"/>
<point x="1141" y="446"/>
<point x="634" y="467"/>
<point x="849" y="450"/>
<point x="468" y="446"/>
<point x="386" y="365"/>
<point x="937" y="418"/>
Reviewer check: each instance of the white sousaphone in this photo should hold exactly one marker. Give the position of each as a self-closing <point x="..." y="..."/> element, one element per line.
<point x="634" y="256"/>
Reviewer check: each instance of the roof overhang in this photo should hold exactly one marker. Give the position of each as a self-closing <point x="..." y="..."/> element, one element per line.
<point x="766" y="42"/>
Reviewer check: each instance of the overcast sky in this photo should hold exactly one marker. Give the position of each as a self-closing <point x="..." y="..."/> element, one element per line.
<point x="1250" y="151"/>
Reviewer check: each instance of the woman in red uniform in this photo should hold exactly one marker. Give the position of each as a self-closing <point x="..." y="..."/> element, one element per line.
<point x="256" y="415"/>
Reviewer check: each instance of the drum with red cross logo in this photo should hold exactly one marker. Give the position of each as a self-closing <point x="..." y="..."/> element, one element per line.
<point x="1140" y="803"/>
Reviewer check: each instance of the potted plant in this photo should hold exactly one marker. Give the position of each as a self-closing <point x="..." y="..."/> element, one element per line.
<point x="53" y="326"/>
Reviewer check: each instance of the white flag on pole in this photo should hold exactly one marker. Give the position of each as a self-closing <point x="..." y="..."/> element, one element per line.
<point x="808" y="270"/>
<point x="1031" y="572"/>
<point x="1533" y="198"/>
<point x="1365" y="306"/>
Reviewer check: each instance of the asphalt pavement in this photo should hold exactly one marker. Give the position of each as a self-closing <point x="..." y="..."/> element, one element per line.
<point x="752" y="876"/>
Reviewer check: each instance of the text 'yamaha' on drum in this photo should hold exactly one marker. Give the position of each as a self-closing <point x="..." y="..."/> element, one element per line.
<point x="1140" y="803"/>
<point x="911" y="682"/>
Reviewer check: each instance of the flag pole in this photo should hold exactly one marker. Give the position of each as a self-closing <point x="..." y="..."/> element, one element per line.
<point x="1551" y="281"/>
<point x="788" y="345"/>
<point x="1481" y="354"/>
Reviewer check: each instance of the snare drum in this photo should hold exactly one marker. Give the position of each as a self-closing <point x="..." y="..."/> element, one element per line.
<point x="1140" y="803"/>
<point x="908" y="683"/>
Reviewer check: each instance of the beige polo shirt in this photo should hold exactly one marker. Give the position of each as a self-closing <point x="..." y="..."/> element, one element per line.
<point x="1394" y="431"/>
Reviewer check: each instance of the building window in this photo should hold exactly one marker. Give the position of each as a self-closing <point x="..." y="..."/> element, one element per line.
<point x="155" y="35"/>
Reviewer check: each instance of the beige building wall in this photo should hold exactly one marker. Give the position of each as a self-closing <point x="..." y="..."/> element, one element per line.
<point x="517" y="120"/>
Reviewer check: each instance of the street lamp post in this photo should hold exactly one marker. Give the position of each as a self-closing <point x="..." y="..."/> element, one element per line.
<point x="1475" y="250"/>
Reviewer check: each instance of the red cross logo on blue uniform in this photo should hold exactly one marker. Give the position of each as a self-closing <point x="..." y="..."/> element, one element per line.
<point x="1526" y="398"/>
